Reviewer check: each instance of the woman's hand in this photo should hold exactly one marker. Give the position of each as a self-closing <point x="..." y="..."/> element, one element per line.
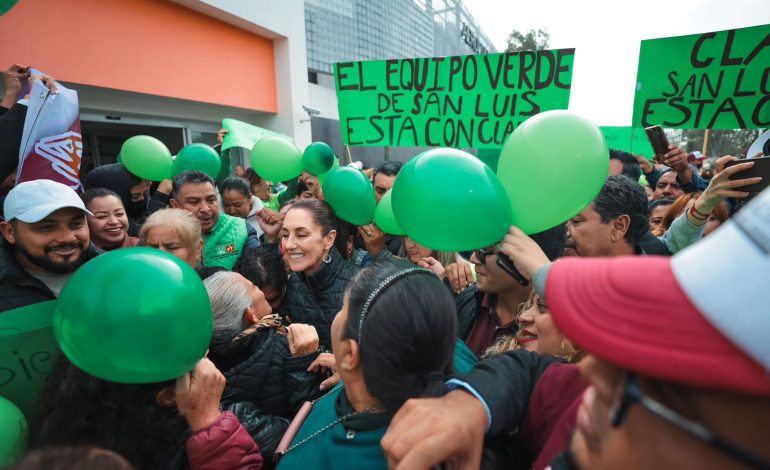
<point x="374" y="238"/>
<point x="459" y="275"/>
<point x="303" y="339"/>
<point x="270" y="222"/>
<point x="324" y="363"/>
<point x="525" y="253"/>
<point x="432" y="264"/>
<point x="198" y="394"/>
<point x="722" y="187"/>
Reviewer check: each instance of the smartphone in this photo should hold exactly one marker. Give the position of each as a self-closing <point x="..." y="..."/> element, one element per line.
<point x="658" y="140"/>
<point x="507" y="265"/>
<point x="761" y="168"/>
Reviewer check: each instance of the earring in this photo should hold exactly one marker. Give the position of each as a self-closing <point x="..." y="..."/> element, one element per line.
<point x="327" y="258"/>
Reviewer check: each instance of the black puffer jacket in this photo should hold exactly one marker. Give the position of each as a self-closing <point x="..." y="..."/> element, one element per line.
<point x="18" y="288"/>
<point x="266" y="431"/>
<point x="468" y="309"/>
<point x="260" y="369"/>
<point x="316" y="299"/>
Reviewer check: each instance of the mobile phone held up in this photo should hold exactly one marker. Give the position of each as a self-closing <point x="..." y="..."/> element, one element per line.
<point x="658" y="140"/>
<point x="761" y="168"/>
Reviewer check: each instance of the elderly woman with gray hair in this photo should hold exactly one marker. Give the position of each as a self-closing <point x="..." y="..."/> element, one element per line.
<point x="263" y="361"/>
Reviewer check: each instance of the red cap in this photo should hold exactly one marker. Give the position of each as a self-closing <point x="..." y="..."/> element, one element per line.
<point x="632" y="312"/>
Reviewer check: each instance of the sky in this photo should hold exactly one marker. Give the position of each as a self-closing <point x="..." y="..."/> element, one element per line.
<point x="606" y="36"/>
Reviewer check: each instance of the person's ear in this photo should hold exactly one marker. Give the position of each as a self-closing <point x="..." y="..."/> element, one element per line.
<point x="250" y="315"/>
<point x="166" y="398"/>
<point x="8" y="232"/>
<point x="619" y="227"/>
<point x="350" y="355"/>
<point x="172" y="203"/>
<point x="329" y="240"/>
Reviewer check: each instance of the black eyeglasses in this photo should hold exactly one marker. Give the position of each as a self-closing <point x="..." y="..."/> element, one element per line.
<point x="632" y="394"/>
<point x="482" y="254"/>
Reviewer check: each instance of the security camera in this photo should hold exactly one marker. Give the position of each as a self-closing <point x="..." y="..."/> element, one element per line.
<point x="311" y="111"/>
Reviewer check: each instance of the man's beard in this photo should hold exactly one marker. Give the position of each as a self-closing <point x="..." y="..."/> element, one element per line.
<point x="56" y="267"/>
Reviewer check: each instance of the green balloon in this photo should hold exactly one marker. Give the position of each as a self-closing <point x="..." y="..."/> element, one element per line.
<point x="13" y="428"/>
<point x="449" y="200"/>
<point x="146" y="317"/>
<point x="335" y="165"/>
<point x="384" y="218"/>
<point x="318" y="158"/>
<point x="351" y="195"/>
<point x="199" y="157"/>
<point x="147" y="157"/>
<point x="276" y="159"/>
<point x="552" y="166"/>
<point x="6" y="5"/>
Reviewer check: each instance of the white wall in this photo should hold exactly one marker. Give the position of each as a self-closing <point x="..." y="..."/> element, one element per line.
<point x="284" y="22"/>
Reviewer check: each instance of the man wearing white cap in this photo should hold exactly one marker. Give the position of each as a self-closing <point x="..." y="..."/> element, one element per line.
<point x="679" y="383"/>
<point x="45" y="239"/>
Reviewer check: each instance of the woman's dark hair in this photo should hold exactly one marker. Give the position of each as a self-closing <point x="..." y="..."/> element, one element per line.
<point x="93" y="193"/>
<point x="263" y="266"/>
<point x="320" y="211"/>
<point x="660" y="202"/>
<point x="236" y="183"/>
<point x="345" y="230"/>
<point x="78" y="409"/>
<point x="251" y="176"/>
<point x="409" y="331"/>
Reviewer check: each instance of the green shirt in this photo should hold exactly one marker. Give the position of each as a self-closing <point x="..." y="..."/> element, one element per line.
<point x="223" y="245"/>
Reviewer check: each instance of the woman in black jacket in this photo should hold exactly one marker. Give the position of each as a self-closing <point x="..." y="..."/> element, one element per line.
<point x="265" y="363"/>
<point x="319" y="274"/>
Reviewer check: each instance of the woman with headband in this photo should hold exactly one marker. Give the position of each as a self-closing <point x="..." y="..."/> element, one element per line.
<point x="386" y="351"/>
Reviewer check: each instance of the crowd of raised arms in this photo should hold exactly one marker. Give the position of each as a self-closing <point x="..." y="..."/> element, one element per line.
<point x="634" y="335"/>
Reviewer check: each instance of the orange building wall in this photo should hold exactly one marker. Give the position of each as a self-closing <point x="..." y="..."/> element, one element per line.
<point x="146" y="46"/>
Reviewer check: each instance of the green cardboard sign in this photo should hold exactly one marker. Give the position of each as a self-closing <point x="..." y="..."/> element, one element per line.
<point x="28" y="351"/>
<point x="718" y="80"/>
<point x="460" y="101"/>
<point x="628" y="139"/>
<point x="242" y="134"/>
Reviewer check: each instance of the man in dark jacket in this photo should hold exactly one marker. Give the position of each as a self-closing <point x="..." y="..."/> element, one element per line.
<point x="679" y="383"/>
<point x="488" y="309"/>
<point x="45" y="239"/>
<point x="224" y="237"/>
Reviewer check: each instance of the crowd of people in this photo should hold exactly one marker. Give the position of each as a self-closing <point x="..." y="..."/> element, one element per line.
<point x="632" y="342"/>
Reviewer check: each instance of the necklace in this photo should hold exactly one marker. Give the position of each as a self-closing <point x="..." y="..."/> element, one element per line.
<point x="333" y="423"/>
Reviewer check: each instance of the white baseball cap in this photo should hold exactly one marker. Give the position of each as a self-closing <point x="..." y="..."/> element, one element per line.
<point x="33" y="201"/>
